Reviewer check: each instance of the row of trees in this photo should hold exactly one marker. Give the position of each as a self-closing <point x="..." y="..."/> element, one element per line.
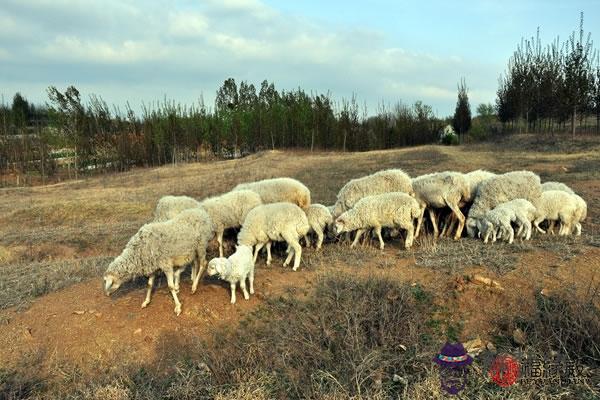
<point x="549" y="86"/>
<point x="87" y="136"/>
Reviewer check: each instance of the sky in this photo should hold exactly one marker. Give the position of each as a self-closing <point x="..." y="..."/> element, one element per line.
<point x="383" y="51"/>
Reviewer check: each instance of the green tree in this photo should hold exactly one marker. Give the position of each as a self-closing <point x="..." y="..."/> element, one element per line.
<point x="461" y="122"/>
<point x="20" y="111"/>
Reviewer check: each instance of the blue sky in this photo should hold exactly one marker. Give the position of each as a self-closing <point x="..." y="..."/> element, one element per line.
<point x="384" y="51"/>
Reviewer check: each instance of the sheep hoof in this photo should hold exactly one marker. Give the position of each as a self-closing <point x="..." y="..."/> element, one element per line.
<point x="177" y="310"/>
<point x="251" y="291"/>
<point x="246" y="297"/>
<point x="295" y="269"/>
<point x="145" y="304"/>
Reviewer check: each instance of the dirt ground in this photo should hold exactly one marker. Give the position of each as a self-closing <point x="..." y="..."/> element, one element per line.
<point x="67" y="321"/>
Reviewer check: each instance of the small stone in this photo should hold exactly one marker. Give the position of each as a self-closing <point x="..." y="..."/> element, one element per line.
<point x="79" y="312"/>
<point x="519" y="336"/>
<point x="474" y="347"/>
<point x="403" y="347"/>
<point x="400" y="379"/>
<point x="137" y="331"/>
<point x="545" y="292"/>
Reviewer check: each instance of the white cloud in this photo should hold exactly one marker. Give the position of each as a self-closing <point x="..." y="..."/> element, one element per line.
<point x="181" y="49"/>
<point x="69" y="48"/>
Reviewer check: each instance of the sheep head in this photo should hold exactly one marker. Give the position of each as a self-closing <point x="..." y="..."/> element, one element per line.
<point x="112" y="279"/>
<point x="218" y="266"/>
<point x="341" y="225"/>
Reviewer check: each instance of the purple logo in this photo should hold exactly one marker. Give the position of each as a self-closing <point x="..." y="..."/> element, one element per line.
<point x="454" y="363"/>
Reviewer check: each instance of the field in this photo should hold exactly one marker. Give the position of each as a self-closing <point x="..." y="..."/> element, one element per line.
<point x="61" y="337"/>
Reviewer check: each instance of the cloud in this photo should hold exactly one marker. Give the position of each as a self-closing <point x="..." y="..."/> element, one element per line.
<point x="181" y="49"/>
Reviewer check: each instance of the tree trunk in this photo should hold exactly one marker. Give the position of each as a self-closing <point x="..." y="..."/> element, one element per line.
<point x="573" y="119"/>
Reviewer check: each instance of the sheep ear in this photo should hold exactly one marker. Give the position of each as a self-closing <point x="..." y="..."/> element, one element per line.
<point x="341" y="221"/>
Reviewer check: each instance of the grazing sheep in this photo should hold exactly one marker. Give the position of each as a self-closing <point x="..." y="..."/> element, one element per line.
<point x="278" y="190"/>
<point x="502" y="188"/>
<point x="439" y="190"/>
<point x="166" y="246"/>
<point x="497" y="219"/>
<point x="580" y="215"/>
<point x="557" y="205"/>
<point x="169" y="206"/>
<point x="474" y="179"/>
<point x="385" y="181"/>
<point x="275" y="222"/>
<point x="387" y="210"/>
<point x="556" y="186"/>
<point x="319" y="218"/>
<point x="229" y="210"/>
<point x="518" y="211"/>
<point x="235" y="269"/>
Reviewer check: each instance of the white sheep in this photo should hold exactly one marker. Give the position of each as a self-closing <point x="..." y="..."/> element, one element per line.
<point x="278" y="190"/>
<point x="580" y="215"/>
<point x="169" y="206"/>
<point x="440" y="190"/>
<point x="502" y="188"/>
<point x="229" y="210"/>
<point x="163" y="246"/>
<point x="235" y="269"/>
<point x="385" y="181"/>
<point x="388" y="210"/>
<point x="557" y="205"/>
<point x="518" y="211"/>
<point x="474" y="179"/>
<point x="551" y="185"/>
<point x="275" y="222"/>
<point x="319" y="218"/>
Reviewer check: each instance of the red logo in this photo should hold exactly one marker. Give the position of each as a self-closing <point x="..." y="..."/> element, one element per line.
<point x="504" y="370"/>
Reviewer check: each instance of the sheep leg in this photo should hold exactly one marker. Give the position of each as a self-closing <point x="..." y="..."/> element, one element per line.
<point x="433" y="219"/>
<point x="232" y="287"/>
<point x="461" y="219"/>
<point x="378" y="232"/>
<point x="419" y="222"/>
<point x="290" y="254"/>
<point x="551" y="227"/>
<point x="320" y="238"/>
<point x="452" y="224"/>
<point x="256" y="250"/>
<point x="511" y="234"/>
<point x="536" y="223"/>
<point x="409" y="235"/>
<point x="307" y="240"/>
<point x="149" y="290"/>
<point x="357" y="238"/>
<point x="202" y="266"/>
<point x="220" y="241"/>
<point x="171" y="284"/>
<point x="251" y="279"/>
<point x="269" y="253"/>
<point x="244" y="290"/>
<point x="177" y="277"/>
<point x="297" y="255"/>
<point x="578" y="229"/>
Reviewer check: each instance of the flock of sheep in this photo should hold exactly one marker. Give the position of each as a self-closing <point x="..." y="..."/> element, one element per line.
<point x="280" y="210"/>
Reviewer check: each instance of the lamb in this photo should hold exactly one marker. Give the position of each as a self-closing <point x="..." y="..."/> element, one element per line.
<point x="235" y="269"/>
<point x="166" y="246"/>
<point x="519" y="211"/>
<point x="439" y="190"/>
<point x="385" y="181"/>
<point x="319" y="218"/>
<point x="275" y="222"/>
<point x="229" y="210"/>
<point x="556" y="186"/>
<point x="557" y="205"/>
<point x="169" y="206"/>
<point x="387" y="210"/>
<point x="580" y="215"/>
<point x="278" y="190"/>
<point x="502" y="188"/>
